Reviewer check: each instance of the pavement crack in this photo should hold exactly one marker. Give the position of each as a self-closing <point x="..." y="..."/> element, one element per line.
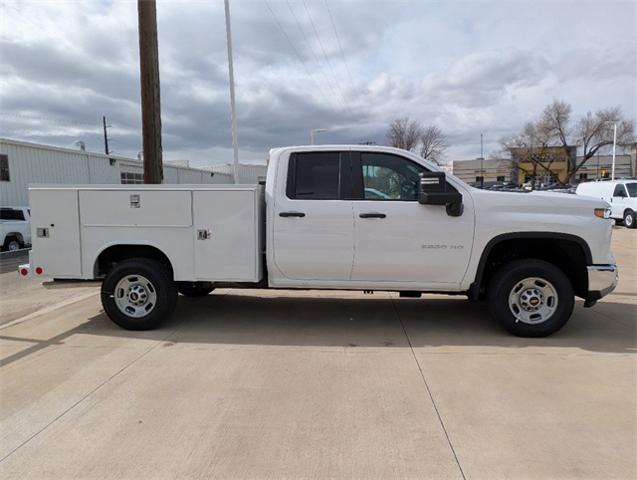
<point x="424" y="380"/>
<point x="78" y="402"/>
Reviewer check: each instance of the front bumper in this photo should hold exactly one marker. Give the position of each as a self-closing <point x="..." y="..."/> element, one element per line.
<point x="602" y="279"/>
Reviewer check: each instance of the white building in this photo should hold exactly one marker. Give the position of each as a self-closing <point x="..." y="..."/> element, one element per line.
<point x="247" y="172"/>
<point x="23" y="163"/>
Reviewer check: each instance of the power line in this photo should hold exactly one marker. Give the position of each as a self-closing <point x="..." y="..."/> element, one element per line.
<point x="338" y="41"/>
<point x="294" y="49"/>
<point x="316" y="59"/>
<point x="327" y="60"/>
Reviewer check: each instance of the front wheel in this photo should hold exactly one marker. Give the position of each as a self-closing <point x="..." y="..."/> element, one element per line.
<point x="531" y="298"/>
<point x="138" y="294"/>
<point x="629" y="219"/>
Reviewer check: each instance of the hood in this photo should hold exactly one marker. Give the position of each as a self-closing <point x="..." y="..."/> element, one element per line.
<point x="549" y="202"/>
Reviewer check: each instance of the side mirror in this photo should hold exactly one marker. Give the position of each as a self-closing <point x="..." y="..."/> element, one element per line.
<point x="433" y="190"/>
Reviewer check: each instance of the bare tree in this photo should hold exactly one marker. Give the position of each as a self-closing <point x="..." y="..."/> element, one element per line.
<point x="404" y="133"/>
<point x="537" y="142"/>
<point x="433" y="143"/>
<point x="591" y="133"/>
<point x="595" y="131"/>
<point x="532" y="146"/>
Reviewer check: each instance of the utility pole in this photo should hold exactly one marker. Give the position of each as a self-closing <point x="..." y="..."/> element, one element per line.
<point x="233" y="112"/>
<point x="149" y="79"/>
<point x="105" y="136"/>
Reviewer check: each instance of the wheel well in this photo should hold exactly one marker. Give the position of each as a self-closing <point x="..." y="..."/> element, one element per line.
<point x="16" y="235"/>
<point x="111" y="256"/>
<point x="567" y="254"/>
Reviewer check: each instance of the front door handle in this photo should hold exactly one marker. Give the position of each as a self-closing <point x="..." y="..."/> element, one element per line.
<point x="372" y="215"/>
<point x="291" y="214"/>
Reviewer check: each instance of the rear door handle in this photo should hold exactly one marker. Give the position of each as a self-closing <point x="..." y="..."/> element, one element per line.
<point x="291" y="214"/>
<point x="372" y="215"/>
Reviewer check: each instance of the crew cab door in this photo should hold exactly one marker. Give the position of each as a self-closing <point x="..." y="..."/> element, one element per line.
<point x="396" y="239"/>
<point x="313" y="237"/>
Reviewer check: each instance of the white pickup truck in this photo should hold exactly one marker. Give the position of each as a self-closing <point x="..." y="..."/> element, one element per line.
<point x="15" y="228"/>
<point x="329" y="217"/>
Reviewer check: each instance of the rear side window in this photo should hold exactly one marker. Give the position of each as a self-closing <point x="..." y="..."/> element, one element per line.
<point x="11" y="214"/>
<point x="314" y="176"/>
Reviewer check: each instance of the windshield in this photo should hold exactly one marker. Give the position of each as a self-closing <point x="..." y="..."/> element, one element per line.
<point x="632" y="189"/>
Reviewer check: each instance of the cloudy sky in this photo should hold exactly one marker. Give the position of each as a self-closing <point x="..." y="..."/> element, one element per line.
<point x="350" y="66"/>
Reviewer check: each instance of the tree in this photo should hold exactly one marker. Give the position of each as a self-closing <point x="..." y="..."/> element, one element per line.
<point x="532" y="146"/>
<point x="433" y="143"/>
<point x="554" y="128"/>
<point x="591" y="133"/>
<point x="404" y="133"/>
<point x="595" y="131"/>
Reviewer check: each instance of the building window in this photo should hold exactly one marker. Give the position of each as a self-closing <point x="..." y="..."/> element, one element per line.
<point x="500" y="178"/>
<point x="479" y="179"/>
<point x="583" y="176"/>
<point x="4" y="168"/>
<point x="131" y="178"/>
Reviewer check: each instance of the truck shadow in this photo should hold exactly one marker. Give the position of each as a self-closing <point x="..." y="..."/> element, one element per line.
<point x="442" y="323"/>
<point x="246" y="319"/>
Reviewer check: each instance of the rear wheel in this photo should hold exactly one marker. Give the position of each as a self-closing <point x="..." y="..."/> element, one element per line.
<point x="138" y="294"/>
<point x="195" y="289"/>
<point x="531" y="298"/>
<point x="629" y="219"/>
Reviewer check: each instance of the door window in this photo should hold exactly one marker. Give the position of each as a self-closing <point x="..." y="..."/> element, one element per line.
<point x="389" y="177"/>
<point x="619" y="191"/>
<point x="314" y="176"/>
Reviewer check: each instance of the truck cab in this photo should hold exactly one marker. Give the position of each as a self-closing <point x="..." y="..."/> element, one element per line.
<point x="340" y="217"/>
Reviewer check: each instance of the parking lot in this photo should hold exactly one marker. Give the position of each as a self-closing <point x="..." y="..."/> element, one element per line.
<point x="270" y="384"/>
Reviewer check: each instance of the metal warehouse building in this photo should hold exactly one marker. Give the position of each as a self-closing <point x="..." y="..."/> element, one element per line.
<point x="24" y="163"/>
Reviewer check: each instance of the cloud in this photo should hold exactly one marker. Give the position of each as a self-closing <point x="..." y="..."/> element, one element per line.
<point x="468" y="67"/>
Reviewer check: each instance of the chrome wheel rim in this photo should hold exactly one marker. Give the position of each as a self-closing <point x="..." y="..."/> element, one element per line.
<point x="13" y="246"/>
<point x="533" y="300"/>
<point x="628" y="220"/>
<point x="135" y="296"/>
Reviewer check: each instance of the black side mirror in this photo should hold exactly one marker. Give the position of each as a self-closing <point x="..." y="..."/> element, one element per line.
<point x="435" y="191"/>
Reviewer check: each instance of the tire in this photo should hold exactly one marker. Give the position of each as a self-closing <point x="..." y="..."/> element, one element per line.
<point x="195" y="289"/>
<point x="531" y="298"/>
<point x="11" y="244"/>
<point x="138" y="294"/>
<point x="630" y="220"/>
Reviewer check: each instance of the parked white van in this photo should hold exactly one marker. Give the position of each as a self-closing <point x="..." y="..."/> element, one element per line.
<point x="620" y="194"/>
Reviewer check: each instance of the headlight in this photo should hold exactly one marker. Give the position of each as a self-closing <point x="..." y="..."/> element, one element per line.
<point x="602" y="212"/>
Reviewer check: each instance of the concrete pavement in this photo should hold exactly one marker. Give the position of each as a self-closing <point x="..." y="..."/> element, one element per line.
<point x="265" y="384"/>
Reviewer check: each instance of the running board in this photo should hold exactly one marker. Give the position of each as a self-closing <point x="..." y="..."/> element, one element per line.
<point x="55" y="284"/>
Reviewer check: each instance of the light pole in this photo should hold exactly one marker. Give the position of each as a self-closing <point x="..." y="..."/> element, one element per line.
<point x="233" y="113"/>
<point x="316" y="130"/>
<point x="481" y="162"/>
<point x="612" y="171"/>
